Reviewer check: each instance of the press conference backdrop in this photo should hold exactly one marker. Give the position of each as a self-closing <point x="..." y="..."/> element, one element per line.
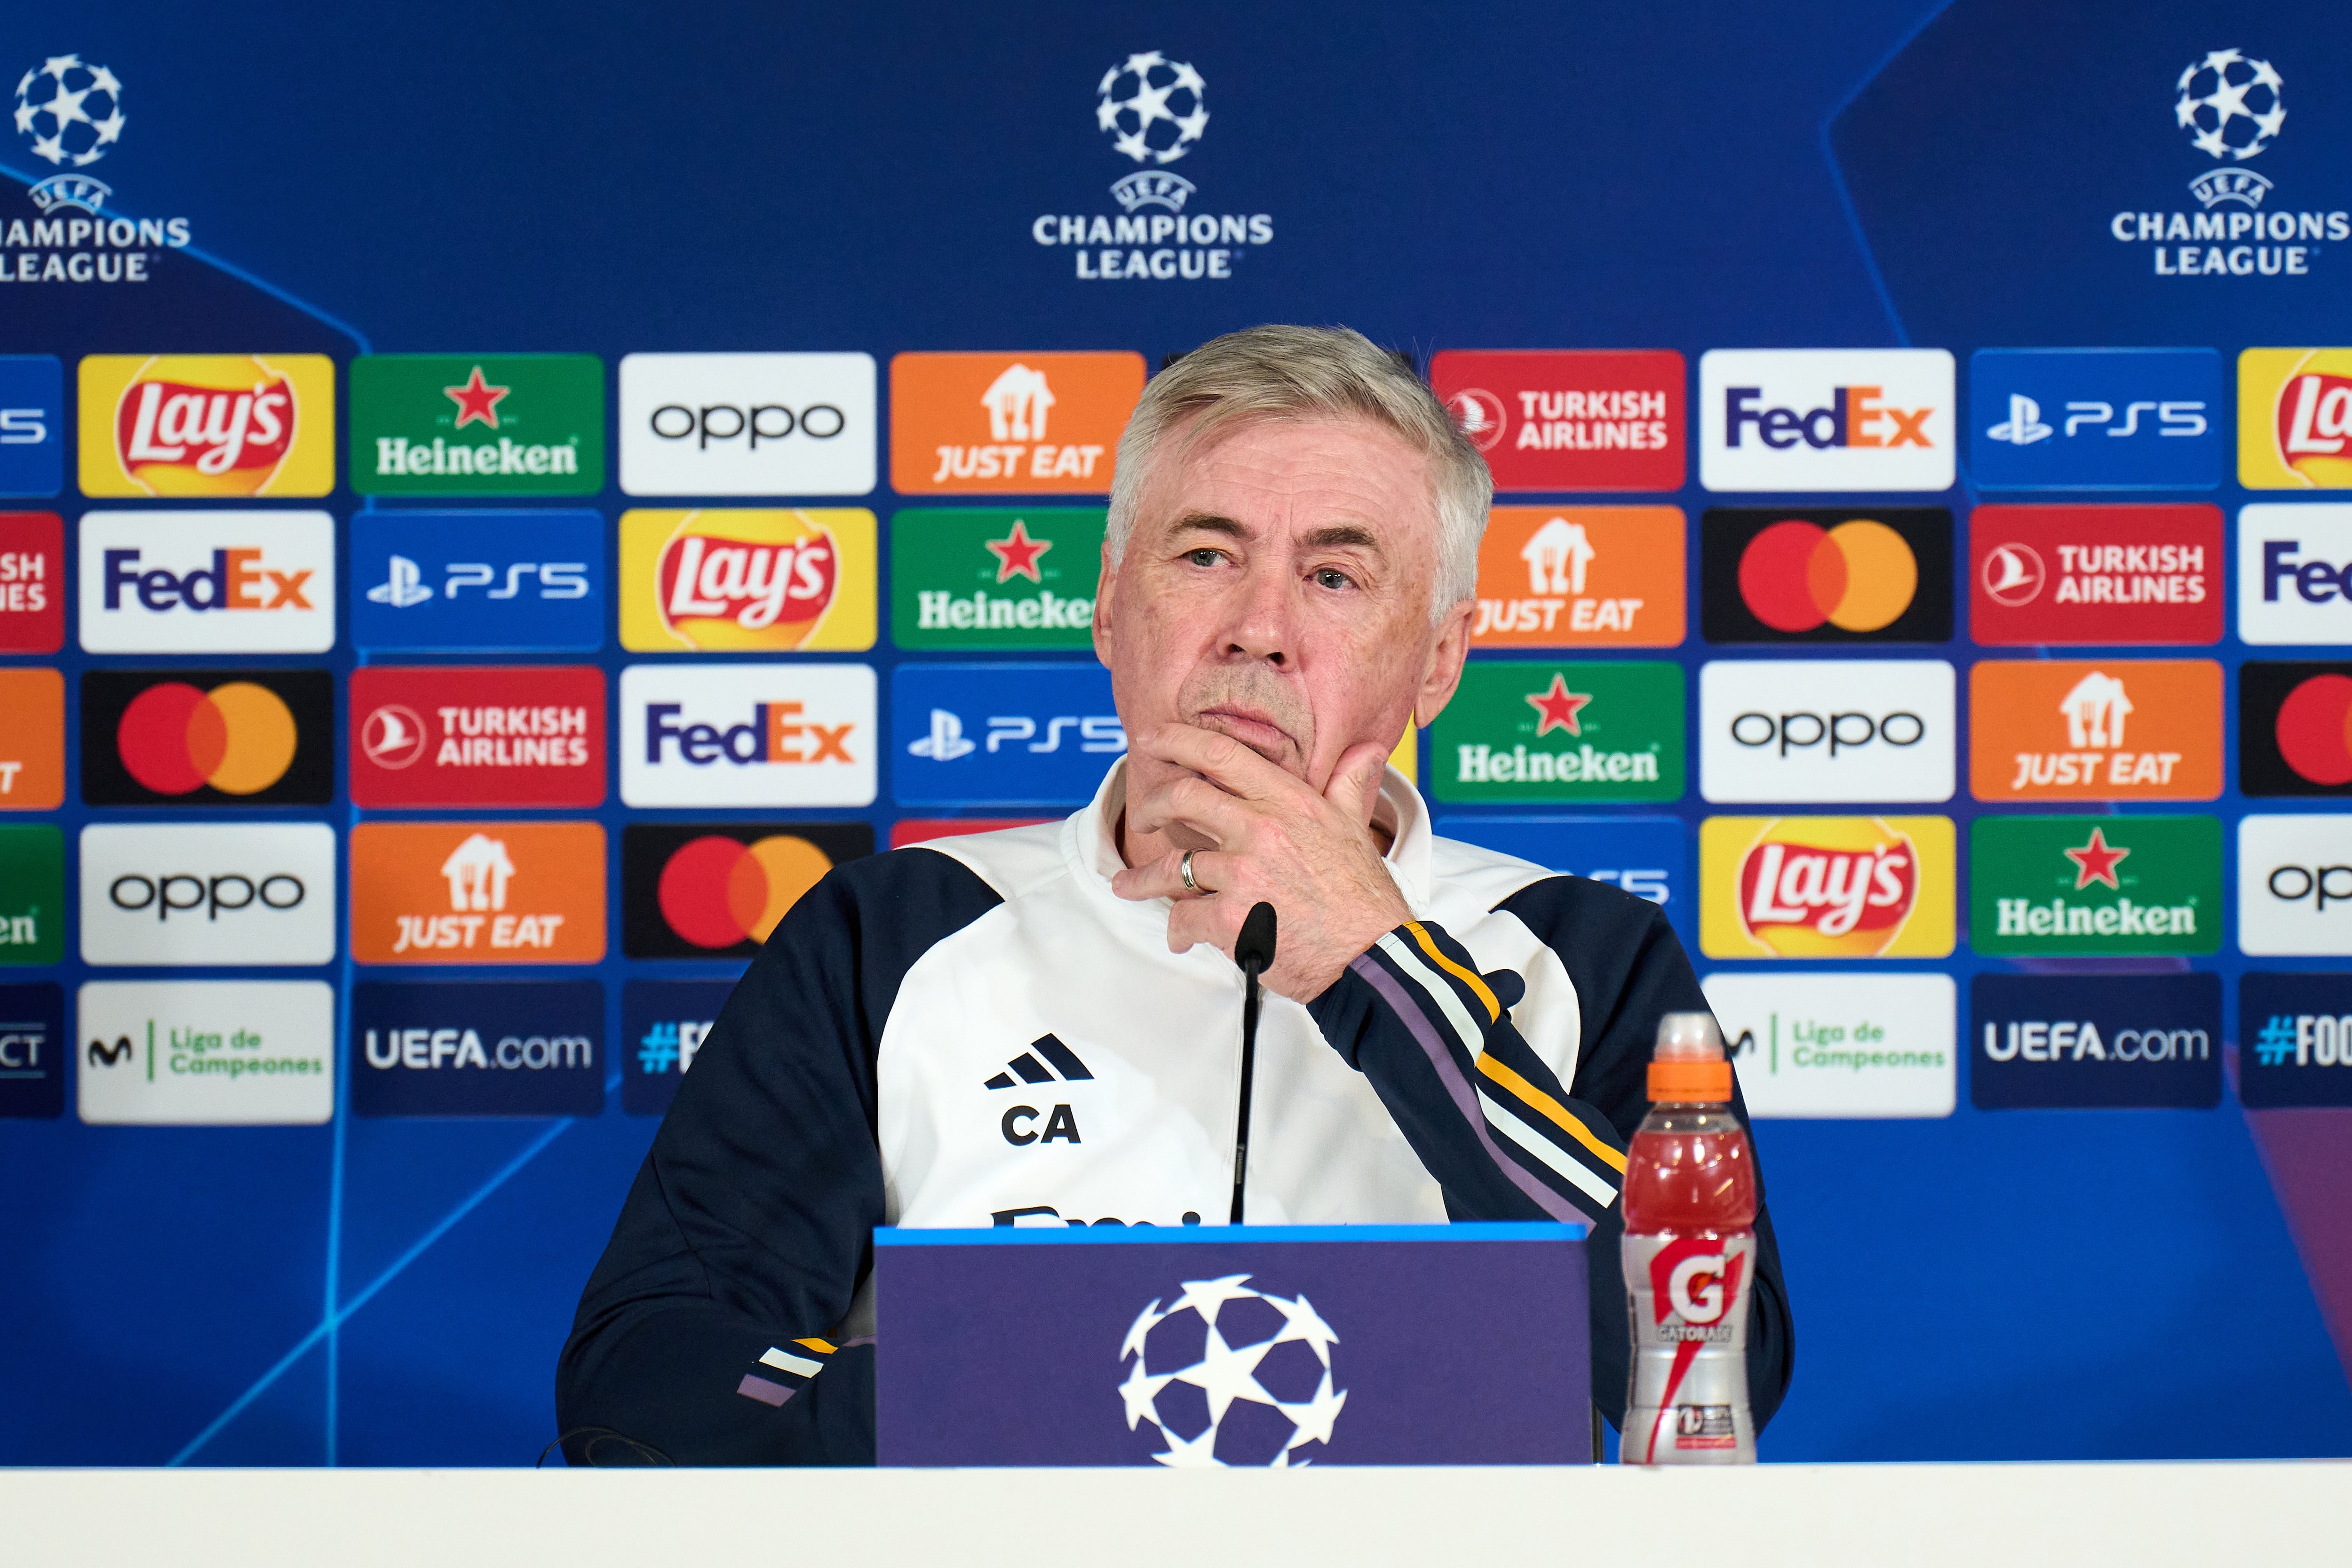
<point x="502" y="499"/>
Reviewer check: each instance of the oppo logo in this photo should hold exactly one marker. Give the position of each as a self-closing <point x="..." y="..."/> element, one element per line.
<point x="185" y="893"/>
<point x="2294" y="884"/>
<point x="1838" y="731"/>
<point x="761" y="421"/>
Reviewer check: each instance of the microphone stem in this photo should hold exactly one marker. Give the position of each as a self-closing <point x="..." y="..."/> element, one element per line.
<point x="1249" y="1072"/>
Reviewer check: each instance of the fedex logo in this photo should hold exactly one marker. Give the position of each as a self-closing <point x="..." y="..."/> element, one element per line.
<point x="748" y="735"/>
<point x="1826" y="419"/>
<point x="171" y="583"/>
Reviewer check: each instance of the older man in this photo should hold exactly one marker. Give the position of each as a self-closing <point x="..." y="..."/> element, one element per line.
<point x="1038" y="1026"/>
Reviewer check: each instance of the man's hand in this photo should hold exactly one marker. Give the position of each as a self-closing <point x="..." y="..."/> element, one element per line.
<point x="1273" y="840"/>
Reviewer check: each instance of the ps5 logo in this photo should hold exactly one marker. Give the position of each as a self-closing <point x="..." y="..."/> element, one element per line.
<point x="405" y="587"/>
<point x="946" y="742"/>
<point x="2024" y="425"/>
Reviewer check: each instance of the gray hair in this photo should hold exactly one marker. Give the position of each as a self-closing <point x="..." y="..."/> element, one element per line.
<point x="1295" y="372"/>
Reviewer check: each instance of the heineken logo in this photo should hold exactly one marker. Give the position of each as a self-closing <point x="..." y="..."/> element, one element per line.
<point x="1526" y="731"/>
<point x="502" y="426"/>
<point x="996" y="578"/>
<point x="2122" y="885"/>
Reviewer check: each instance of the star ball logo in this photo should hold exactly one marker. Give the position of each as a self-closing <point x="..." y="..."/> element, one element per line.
<point x="71" y="113"/>
<point x="743" y="580"/>
<point x="1153" y="110"/>
<point x="1826" y="575"/>
<point x="2231" y="106"/>
<point x="211" y="737"/>
<point x="692" y="890"/>
<point x="207" y="426"/>
<point x="1226" y="1374"/>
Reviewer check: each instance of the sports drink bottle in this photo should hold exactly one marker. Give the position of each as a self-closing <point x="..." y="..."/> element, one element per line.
<point x="1689" y="1251"/>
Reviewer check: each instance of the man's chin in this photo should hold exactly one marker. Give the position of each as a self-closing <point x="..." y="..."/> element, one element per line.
<point x="1264" y="739"/>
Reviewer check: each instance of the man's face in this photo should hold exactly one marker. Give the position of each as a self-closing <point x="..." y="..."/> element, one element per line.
<point x="1277" y="588"/>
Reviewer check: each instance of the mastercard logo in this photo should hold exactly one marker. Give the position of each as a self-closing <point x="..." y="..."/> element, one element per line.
<point x="716" y="891"/>
<point x="2315" y="729"/>
<point x="1858" y="576"/>
<point x="175" y="738"/>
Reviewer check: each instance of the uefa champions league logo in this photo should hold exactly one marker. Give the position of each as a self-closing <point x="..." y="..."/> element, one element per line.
<point x="1228" y="1375"/>
<point x="1154" y="108"/>
<point x="2231" y="105"/>
<point x="73" y="112"/>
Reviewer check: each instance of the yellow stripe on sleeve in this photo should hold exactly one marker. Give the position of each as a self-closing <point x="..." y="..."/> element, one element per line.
<point x="1478" y="986"/>
<point x="825" y="1347"/>
<point x="1552" y="1109"/>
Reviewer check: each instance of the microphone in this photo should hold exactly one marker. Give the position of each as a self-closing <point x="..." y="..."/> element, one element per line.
<point x="1254" y="952"/>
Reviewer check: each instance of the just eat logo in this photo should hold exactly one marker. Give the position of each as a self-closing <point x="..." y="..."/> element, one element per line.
<point x="1826" y="419"/>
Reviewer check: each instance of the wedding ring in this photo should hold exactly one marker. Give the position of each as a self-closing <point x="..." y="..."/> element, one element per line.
<point x="1184" y="869"/>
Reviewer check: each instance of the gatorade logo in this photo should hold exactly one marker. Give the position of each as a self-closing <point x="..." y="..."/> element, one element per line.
<point x="1858" y="576"/>
<point x="1826" y="887"/>
<point x="208" y="425"/>
<point x="208" y="738"/>
<point x="1693" y="1279"/>
<point x="712" y="891"/>
<point x="1825" y="574"/>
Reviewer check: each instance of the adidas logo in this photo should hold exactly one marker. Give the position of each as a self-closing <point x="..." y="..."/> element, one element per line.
<point x="1030" y="1069"/>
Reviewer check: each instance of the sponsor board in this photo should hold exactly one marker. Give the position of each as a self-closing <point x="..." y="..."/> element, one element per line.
<point x="207" y="737"/>
<point x="727" y="580"/>
<point x="478" y="892"/>
<point x="747" y="424"/>
<point x="2294" y="575"/>
<point x="923" y="829"/>
<point x="32" y="425"/>
<point x="1825" y="574"/>
<point x="716" y="889"/>
<point x="986" y="578"/>
<point x="2118" y="729"/>
<point x="207" y="582"/>
<point x="2294" y="1040"/>
<point x="33" y="740"/>
<point x="1568" y="419"/>
<point x="207" y="426"/>
<point x="2295" y="729"/>
<point x="1528" y="730"/>
<point x="663" y="1024"/>
<point x="477" y="1048"/>
<point x="206" y="1053"/>
<point x="1826" y="887"/>
<point x="1648" y="857"/>
<point x="1027" y="424"/>
<point x="32" y="894"/>
<point x="1826" y="419"/>
<point x="2295" y="886"/>
<point x="1587" y="576"/>
<point x="748" y="735"/>
<point x="495" y="425"/>
<point x="1001" y="734"/>
<point x="2095" y="886"/>
<point x="213" y="893"/>
<point x="2064" y="419"/>
<point x="33" y="1050"/>
<point x="458" y="735"/>
<point x="2095" y="1041"/>
<point x="1793" y="730"/>
<point x="2295" y="419"/>
<point x="32" y="582"/>
<point x="477" y="581"/>
<point x="2047" y="574"/>
<point x="1835" y="1045"/>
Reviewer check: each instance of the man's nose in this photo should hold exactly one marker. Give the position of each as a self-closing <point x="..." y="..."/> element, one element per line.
<point x="1261" y="616"/>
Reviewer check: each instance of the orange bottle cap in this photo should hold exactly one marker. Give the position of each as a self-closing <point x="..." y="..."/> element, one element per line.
<point x="1689" y="1082"/>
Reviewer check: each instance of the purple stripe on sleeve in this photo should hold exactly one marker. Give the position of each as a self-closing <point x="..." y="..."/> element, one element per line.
<point x="760" y="1389"/>
<point x="1457" y="1088"/>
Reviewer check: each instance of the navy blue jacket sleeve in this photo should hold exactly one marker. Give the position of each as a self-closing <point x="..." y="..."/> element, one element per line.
<point x="1503" y="1137"/>
<point x="710" y="1330"/>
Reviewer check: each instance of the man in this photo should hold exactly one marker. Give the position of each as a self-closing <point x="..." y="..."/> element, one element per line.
<point x="1039" y="1027"/>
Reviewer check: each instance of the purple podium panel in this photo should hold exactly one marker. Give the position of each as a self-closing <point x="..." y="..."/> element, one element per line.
<point x="1278" y="1345"/>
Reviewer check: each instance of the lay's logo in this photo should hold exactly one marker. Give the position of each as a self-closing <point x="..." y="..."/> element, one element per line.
<point x="2295" y="418"/>
<point x="1826" y="887"/>
<point x="207" y="426"/>
<point x="740" y="580"/>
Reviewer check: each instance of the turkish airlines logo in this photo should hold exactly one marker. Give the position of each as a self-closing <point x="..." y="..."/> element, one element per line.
<point x="393" y="736"/>
<point x="461" y="735"/>
<point x="2097" y="573"/>
<point x="2012" y="574"/>
<point x="1578" y="420"/>
<point x="1828" y="887"/>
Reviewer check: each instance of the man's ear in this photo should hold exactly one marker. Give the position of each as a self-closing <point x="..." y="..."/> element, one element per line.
<point x="1443" y="674"/>
<point x="1106" y="584"/>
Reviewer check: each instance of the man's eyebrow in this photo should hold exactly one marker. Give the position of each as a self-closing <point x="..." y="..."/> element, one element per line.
<point x="1342" y="533"/>
<point x="1208" y="522"/>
